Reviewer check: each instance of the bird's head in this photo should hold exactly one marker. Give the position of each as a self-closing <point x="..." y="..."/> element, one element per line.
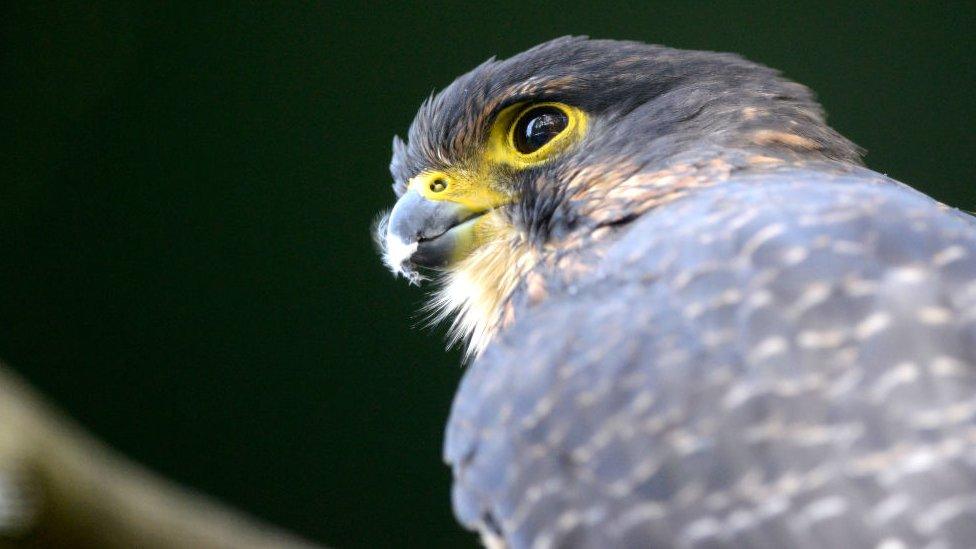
<point x="517" y="155"/>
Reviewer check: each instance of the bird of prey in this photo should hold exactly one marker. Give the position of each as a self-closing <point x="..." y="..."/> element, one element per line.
<point x="694" y="318"/>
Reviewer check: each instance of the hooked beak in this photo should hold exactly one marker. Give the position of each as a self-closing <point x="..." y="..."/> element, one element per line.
<point x="428" y="233"/>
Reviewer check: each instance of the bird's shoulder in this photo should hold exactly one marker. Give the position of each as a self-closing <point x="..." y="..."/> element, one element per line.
<point x="742" y="338"/>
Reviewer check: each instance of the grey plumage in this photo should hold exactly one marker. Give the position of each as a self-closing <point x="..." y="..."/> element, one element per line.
<point x="784" y="360"/>
<point x="731" y="334"/>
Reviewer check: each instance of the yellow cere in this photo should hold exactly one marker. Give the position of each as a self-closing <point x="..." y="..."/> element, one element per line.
<point x="473" y="191"/>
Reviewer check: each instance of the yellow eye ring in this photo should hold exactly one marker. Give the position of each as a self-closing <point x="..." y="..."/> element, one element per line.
<point x="526" y="135"/>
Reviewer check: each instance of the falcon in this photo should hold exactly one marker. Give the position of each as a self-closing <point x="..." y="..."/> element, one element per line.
<point x="693" y="317"/>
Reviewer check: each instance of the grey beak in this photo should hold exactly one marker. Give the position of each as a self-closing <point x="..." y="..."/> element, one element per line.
<point x="426" y="223"/>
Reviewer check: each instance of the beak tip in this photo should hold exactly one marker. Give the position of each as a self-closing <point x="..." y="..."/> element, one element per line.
<point x="398" y="256"/>
<point x="397" y="251"/>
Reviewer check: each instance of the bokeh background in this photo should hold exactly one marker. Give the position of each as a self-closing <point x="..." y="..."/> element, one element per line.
<point x="185" y="200"/>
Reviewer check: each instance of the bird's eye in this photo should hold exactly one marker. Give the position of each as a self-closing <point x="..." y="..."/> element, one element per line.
<point x="529" y="134"/>
<point x="538" y="126"/>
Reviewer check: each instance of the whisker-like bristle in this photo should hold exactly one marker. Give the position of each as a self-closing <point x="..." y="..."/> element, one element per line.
<point x="378" y="229"/>
<point x="394" y="253"/>
<point x="472" y="295"/>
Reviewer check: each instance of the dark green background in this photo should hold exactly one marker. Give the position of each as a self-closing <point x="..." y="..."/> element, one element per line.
<point x="187" y="192"/>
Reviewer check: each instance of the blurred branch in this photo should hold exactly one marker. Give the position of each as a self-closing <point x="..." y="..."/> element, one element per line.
<point x="61" y="488"/>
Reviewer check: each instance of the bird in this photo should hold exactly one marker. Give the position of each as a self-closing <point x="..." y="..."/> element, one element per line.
<point x="692" y="317"/>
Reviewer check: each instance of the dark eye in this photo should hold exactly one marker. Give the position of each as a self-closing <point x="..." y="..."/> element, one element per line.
<point x="537" y="127"/>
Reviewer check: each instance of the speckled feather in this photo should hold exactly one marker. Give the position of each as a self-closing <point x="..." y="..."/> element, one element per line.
<point x="783" y="360"/>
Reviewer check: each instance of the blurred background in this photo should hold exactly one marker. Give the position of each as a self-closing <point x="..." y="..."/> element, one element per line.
<point x="185" y="201"/>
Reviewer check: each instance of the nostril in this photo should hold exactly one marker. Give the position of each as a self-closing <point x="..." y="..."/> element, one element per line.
<point x="438" y="185"/>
